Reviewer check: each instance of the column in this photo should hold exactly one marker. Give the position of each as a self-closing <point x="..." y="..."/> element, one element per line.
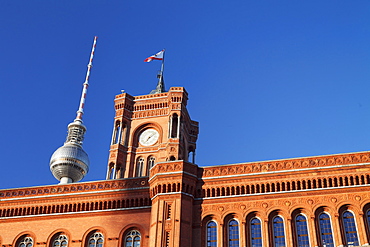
<point x="178" y="126"/>
<point x="288" y="231"/>
<point x="265" y="231"/>
<point x="312" y="231"/>
<point x="336" y="230"/>
<point x="113" y="133"/>
<point x="361" y="230"/>
<point x="242" y="234"/>
<point x="220" y="235"/>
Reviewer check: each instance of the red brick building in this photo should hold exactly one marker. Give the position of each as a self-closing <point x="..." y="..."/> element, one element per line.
<point x="155" y="195"/>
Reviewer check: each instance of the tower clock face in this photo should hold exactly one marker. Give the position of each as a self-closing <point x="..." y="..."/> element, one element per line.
<point x="148" y="137"/>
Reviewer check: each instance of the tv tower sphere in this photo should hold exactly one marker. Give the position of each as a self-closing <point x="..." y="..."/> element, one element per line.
<point x="70" y="163"/>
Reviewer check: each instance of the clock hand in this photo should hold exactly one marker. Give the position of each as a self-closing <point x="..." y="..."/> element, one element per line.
<point x="149" y="137"/>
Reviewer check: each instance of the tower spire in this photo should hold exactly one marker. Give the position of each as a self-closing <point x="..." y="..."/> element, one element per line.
<point x="70" y="162"/>
<point x="80" y="111"/>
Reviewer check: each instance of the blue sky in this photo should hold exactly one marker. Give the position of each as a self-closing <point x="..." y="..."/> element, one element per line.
<point x="266" y="79"/>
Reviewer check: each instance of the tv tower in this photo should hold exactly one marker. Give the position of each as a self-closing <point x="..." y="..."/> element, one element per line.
<point x="70" y="162"/>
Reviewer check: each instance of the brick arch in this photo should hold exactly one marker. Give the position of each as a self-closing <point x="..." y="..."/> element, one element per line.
<point x="24" y="234"/>
<point x="365" y="208"/>
<point x="211" y="215"/>
<point x="130" y="227"/>
<point x="350" y="206"/>
<point x="318" y="208"/>
<point x="92" y="230"/>
<point x="356" y="211"/>
<point x="205" y="220"/>
<point x="251" y="215"/>
<point x="142" y="127"/>
<point x="54" y="233"/>
<point x="301" y="210"/>
<point x="277" y="211"/>
<point x="303" y="207"/>
<point x="226" y="216"/>
<point x="308" y="214"/>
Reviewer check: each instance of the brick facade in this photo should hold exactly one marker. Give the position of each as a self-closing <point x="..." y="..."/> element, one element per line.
<point x="154" y="195"/>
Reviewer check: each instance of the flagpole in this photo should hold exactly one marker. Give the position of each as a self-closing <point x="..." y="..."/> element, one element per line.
<point x="162" y="67"/>
<point x="160" y="85"/>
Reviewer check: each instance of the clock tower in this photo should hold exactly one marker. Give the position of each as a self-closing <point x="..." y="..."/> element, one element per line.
<point x="155" y="138"/>
<point x="150" y="129"/>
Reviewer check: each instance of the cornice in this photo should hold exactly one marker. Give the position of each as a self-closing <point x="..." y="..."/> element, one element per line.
<point x="316" y="162"/>
<point x="75" y="188"/>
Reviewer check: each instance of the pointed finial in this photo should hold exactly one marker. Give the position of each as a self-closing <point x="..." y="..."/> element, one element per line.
<point x="160" y="85"/>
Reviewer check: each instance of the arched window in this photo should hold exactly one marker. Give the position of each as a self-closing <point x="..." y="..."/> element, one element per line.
<point x="368" y="220"/>
<point x="151" y="162"/>
<point x="25" y="241"/>
<point x="256" y="232"/>
<point x="191" y="154"/>
<point x="174" y="126"/>
<point x="96" y="239"/>
<point x="302" y="231"/>
<point x="350" y="229"/>
<point x="132" y="239"/>
<point x="233" y="233"/>
<point x="139" y="167"/>
<point x="117" y="132"/>
<point x="211" y="234"/>
<point x="278" y="232"/>
<point x="60" y="240"/>
<point x="111" y="171"/>
<point x="326" y="234"/>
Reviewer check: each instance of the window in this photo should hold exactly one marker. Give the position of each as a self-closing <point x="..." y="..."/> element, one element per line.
<point x="117" y="133"/>
<point x="278" y="232"/>
<point x="167" y="244"/>
<point x="151" y="161"/>
<point x="174" y="126"/>
<point x="25" y="241"/>
<point x="111" y="171"/>
<point x="132" y="239"/>
<point x="233" y="233"/>
<point x="256" y="233"/>
<point x="325" y="230"/>
<point x="368" y="219"/>
<point x="96" y="239"/>
<point x="211" y="234"/>
<point x="350" y="230"/>
<point x="169" y="211"/>
<point x="139" y="167"/>
<point x="191" y="154"/>
<point x="302" y="231"/>
<point x="60" y="241"/>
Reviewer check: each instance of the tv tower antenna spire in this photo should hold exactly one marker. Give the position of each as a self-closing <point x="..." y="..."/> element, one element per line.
<point x="80" y="111"/>
<point x="70" y="163"/>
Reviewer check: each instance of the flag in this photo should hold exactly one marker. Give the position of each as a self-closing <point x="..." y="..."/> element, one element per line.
<point x="158" y="56"/>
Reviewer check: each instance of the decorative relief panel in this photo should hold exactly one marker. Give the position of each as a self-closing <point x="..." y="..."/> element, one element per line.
<point x="76" y="187"/>
<point x="288" y="205"/>
<point x="150" y="113"/>
<point x="173" y="167"/>
<point x="268" y="166"/>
